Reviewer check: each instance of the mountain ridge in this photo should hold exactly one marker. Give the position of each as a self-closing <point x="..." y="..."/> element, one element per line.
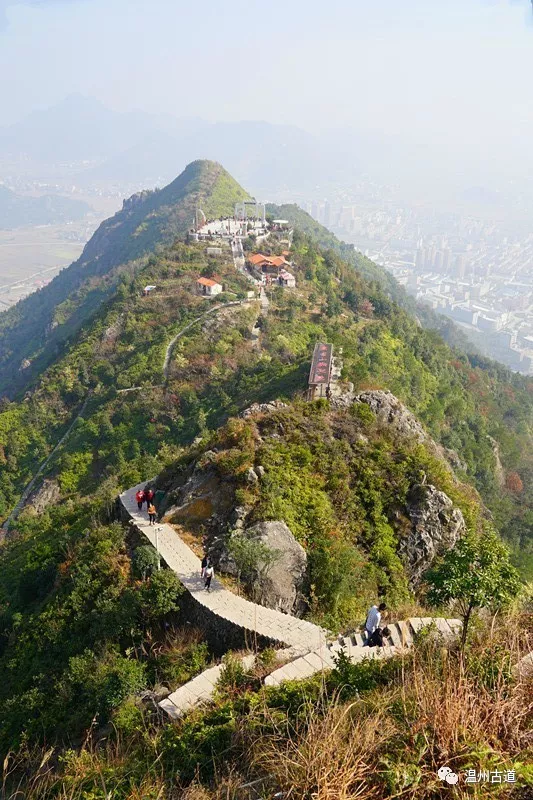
<point x="93" y="634"/>
<point x="18" y="210"/>
<point x="343" y="279"/>
<point x="47" y="318"/>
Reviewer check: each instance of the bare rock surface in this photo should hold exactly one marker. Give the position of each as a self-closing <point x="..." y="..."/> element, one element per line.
<point x="263" y="408"/>
<point x="436" y="526"/>
<point x="281" y="584"/>
<point x="46" y="495"/>
<point x="390" y="410"/>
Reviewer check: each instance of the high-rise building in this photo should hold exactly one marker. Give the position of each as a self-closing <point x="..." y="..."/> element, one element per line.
<point x="460" y="266"/>
<point x="327" y="214"/>
<point x="437" y="263"/>
<point x="314" y="210"/>
<point x="420" y="259"/>
<point x="430" y="256"/>
<point x="446" y="260"/>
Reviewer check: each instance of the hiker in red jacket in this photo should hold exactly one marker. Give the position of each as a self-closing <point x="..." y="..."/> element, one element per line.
<point x="139" y="496"/>
<point x="149" y="496"/>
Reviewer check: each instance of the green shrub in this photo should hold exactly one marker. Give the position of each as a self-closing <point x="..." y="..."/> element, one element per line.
<point x="145" y="561"/>
<point x="349" y="679"/>
<point x="197" y="746"/>
<point x="179" y="664"/>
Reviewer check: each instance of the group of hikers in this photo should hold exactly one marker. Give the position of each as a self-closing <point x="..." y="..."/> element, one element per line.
<point x="147" y="496"/>
<point x="375" y="634"/>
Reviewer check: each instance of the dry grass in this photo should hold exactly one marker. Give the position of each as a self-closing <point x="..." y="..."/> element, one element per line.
<point x="330" y="760"/>
<point x="388" y="743"/>
<point x="391" y="742"/>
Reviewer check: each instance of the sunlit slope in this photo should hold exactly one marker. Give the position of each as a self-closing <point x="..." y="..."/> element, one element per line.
<point x="36" y="329"/>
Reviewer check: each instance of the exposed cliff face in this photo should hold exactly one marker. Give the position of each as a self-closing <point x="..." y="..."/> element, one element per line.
<point x="436" y="526"/>
<point x="279" y="584"/>
<point x="390" y="411"/>
<point x="47" y="494"/>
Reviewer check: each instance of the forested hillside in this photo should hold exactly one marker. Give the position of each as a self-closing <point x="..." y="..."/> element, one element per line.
<point x="36" y="329"/>
<point x="154" y="384"/>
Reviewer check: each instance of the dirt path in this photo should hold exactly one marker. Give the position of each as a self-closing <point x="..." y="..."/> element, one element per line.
<point x="213" y="310"/>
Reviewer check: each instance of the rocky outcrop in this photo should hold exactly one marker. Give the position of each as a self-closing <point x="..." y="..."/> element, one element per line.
<point x="46" y="495"/>
<point x="436" y="525"/>
<point x="389" y="410"/>
<point x="204" y="497"/>
<point x="280" y="585"/>
<point x="136" y="200"/>
<point x="263" y="408"/>
<point x="499" y="472"/>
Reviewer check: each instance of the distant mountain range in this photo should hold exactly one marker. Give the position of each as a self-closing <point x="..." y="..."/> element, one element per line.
<point x="147" y="149"/>
<point x="17" y="210"/>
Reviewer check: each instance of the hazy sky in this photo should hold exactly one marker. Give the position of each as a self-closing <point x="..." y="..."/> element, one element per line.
<point x="451" y="73"/>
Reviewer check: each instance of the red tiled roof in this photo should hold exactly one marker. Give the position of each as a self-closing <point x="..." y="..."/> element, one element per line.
<point x="207" y="282"/>
<point x="257" y="259"/>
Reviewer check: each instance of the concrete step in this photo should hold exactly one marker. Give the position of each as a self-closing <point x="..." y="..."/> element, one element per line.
<point x="416" y="624"/>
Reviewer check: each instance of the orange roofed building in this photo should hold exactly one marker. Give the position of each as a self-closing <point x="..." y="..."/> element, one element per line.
<point x="208" y="287"/>
<point x="267" y="265"/>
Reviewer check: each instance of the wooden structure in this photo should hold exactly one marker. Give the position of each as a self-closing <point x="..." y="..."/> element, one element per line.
<point x="320" y="374"/>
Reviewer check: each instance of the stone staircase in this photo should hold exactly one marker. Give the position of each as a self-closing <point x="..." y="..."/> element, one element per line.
<point x="402" y="636"/>
<point x="305" y="646"/>
<point x="274" y="627"/>
<point x="198" y="690"/>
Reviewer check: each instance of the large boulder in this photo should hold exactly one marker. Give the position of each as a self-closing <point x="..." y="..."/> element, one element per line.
<point x="280" y="585"/>
<point x="389" y="410"/>
<point x="204" y="499"/>
<point x="436" y="525"/>
<point x="48" y="493"/>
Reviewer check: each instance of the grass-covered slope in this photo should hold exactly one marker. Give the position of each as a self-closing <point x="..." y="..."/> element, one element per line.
<point x="372" y="272"/>
<point x="217" y="369"/>
<point x="36" y="329"/>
